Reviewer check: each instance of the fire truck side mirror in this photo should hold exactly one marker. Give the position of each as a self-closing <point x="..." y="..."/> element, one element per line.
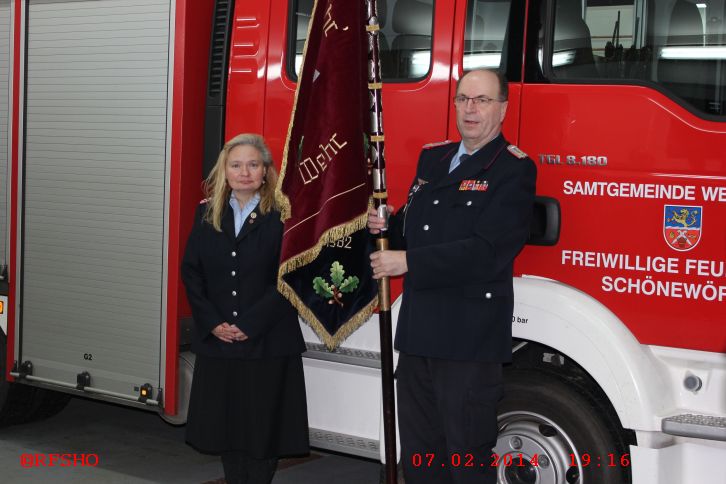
<point x="545" y="227"/>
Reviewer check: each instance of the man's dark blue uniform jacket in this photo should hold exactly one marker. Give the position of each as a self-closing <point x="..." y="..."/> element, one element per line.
<point x="461" y="232"/>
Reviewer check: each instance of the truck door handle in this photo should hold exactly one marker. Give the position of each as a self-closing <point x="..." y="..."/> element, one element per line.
<point x="545" y="226"/>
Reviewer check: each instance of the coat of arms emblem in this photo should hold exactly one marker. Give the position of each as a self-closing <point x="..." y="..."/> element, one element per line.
<point x="682" y="226"/>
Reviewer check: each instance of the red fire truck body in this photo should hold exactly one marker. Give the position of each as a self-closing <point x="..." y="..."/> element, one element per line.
<point x="619" y="371"/>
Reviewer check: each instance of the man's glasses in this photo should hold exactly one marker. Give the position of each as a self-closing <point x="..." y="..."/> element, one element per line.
<point x="461" y="100"/>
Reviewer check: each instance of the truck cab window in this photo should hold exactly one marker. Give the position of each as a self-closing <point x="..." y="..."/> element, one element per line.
<point x="484" y="35"/>
<point x="679" y="46"/>
<point x="404" y="40"/>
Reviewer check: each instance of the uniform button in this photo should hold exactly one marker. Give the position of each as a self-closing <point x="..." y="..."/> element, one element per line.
<point x="488" y="295"/>
<point x="468" y="203"/>
<point x="234" y="313"/>
<point x="234" y="254"/>
<point x="426" y="227"/>
<point x="234" y="293"/>
<point x="234" y="273"/>
<point x="436" y="202"/>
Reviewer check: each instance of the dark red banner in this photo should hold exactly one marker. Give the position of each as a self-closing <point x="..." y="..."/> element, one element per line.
<point x="325" y="183"/>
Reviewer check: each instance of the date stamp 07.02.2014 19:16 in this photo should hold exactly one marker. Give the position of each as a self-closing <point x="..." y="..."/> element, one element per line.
<point x="456" y="460"/>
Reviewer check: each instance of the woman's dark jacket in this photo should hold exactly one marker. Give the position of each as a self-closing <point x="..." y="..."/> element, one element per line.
<point x="234" y="279"/>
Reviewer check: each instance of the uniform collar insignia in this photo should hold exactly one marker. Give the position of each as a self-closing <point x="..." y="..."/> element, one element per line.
<point x="517" y="152"/>
<point x="428" y="146"/>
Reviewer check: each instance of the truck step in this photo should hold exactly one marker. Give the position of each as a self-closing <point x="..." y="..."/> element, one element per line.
<point x="348" y="356"/>
<point x="347" y="444"/>
<point x="699" y="426"/>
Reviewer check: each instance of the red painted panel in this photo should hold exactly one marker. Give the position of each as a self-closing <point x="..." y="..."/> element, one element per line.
<point x="13" y="169"/>
<point x="650" y="142"/>
<point x="191" y="52"/>
<point x="247" y="66"/>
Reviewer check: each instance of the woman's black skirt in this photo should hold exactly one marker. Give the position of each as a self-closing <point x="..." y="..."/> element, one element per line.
<point x="254" y="406"/>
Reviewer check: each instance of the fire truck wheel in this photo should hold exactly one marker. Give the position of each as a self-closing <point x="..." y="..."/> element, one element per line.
<point x="547" y="424"/>
<point x="12" y="398"/>
<point x="45" y="404"/>
<point x="22" y="403"/>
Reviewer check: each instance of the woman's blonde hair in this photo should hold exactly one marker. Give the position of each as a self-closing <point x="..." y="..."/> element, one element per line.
<point x="217" y="190"/>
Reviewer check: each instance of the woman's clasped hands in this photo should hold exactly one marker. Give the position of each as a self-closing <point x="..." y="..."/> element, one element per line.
<point x="229" y="333"/>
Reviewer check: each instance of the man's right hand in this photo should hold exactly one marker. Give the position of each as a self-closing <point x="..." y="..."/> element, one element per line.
<point x="376" y="223"/>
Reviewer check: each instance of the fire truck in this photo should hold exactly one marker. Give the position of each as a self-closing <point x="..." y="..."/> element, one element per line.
<point x="111" y="112"/>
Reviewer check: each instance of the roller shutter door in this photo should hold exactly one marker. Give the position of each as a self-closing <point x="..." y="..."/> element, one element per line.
<point x="94" y="194"/>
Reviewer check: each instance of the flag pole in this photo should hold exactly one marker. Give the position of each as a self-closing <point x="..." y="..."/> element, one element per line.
<point x="380" y="201"/>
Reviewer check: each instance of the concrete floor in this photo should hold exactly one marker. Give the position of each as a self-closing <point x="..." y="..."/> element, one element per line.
<point x="134" y="446"/>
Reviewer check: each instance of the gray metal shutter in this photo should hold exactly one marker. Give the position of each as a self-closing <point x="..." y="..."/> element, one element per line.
<point x="5" y="21"/>
<point x="94" y="200"/>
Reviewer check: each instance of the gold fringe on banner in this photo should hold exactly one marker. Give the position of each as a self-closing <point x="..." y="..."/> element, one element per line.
<point x="306" y="257"/>
<point x="330" y="235"/>
<point x="330" y="341"/>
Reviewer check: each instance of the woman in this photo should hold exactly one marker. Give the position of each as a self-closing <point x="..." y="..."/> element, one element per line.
<point x="248" y="393"/>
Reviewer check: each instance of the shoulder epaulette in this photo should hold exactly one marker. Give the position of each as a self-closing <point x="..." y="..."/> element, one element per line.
<point x="428" y="146"/>
<point x="516" y="152"/>
<point x="203" y="201"/>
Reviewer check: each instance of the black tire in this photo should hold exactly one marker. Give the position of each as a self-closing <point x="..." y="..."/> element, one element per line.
<point x="46" y="404"/>
<point x="546" y="416"/>
<point x="22" y="403"/>
<point x="13" y="401"/>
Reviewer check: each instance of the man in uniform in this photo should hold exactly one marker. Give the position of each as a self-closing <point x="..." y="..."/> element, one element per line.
<point x="467" y="217"/>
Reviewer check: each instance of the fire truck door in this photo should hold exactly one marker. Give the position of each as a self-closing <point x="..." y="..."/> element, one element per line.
<point x="604" y="106"/>
<point x="415" y="49"/>
<point x="94" y="178"/>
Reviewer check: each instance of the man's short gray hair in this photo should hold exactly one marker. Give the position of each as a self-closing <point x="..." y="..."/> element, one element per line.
<point x="503" y="83"/>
